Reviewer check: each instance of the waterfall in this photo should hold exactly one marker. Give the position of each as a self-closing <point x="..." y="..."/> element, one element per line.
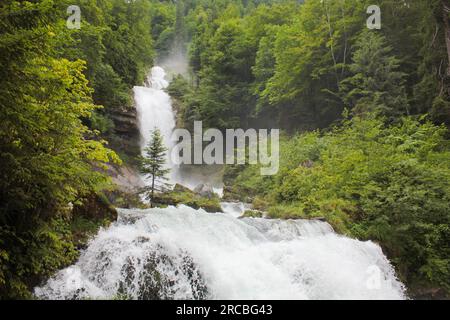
<point x="182" y="253"/>
<point x="154" y="108"/>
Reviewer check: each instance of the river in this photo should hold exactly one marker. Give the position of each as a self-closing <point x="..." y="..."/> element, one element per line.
<point x="182" y="253"/>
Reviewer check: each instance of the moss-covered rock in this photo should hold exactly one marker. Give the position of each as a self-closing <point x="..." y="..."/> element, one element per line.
<point x="253" y="214"/>
<point x="95" y="207"/>
<point x="237" y="193"/>
<point x="182" y="195"/>
<point x="93" y="212"/>
<point x="126" y="200"/>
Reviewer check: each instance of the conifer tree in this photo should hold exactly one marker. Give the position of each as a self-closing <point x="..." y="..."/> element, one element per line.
<point x="377" y="85"/>
<point x="153" y="163"/>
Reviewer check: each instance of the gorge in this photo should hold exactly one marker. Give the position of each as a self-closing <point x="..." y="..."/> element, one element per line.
<point x="182" y="253"/>
<point x="358" y="207"/>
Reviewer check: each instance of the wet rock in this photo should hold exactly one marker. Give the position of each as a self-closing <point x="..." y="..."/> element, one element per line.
<point x="126" y="135"/>
<point x="96" y="207"/>
<point x="205" y="190"/>
<point x="126" y="178"/>
<point x="143" y="280"/>
<point x="94" y="212"/>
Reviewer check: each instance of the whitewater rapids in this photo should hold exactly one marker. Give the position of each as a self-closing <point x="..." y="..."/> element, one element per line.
<point x="182" y="253"/>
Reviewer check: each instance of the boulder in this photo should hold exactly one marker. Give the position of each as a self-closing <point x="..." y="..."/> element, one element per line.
<point x="182" y="195"/>
<point x="205" y="190"/>
<point x="181" y="188"/>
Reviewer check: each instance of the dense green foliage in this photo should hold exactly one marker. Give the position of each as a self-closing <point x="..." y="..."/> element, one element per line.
<point x="52" y="153"/>
<point x="376" y="85"/>
<point x="115" y="39"/>
<point x="298" y="66"/>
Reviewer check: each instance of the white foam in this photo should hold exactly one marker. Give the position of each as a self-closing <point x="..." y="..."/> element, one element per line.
<point x="216" y="256"/>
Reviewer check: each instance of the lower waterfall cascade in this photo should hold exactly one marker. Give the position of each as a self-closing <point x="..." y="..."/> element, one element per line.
<point x="182" y="253"/>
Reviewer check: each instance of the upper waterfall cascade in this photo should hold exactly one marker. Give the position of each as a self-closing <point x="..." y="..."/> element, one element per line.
<point x="155" y="110"/>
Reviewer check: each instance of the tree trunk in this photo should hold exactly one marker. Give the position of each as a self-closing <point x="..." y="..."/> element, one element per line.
<point x="153" y="191"/>
<point x="445" y="13"/>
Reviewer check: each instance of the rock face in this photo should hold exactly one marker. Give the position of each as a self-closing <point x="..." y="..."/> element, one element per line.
<point x="144" y="280"/>
<point x="127" y="136"/>
<point x="128" y="184"/>
<point x="96" y="207"/>
<point x="126" y="178"/>
<point x="87" y="217"/>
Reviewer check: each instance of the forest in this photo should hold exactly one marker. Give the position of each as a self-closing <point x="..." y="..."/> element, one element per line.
<point x="364" y="115"/>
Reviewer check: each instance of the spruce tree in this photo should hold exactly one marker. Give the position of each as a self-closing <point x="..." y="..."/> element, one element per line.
<point x="153" y="163"/>
<point x="377" y="85"/>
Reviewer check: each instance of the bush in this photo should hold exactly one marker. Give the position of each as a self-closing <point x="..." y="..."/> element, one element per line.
<point x="28" y="257"/>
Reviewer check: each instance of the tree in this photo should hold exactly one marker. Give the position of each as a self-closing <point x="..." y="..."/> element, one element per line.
<point x="48" y="157"/>
<point x="377" y="85"/>
<point x="311" y="55"/>
<point x="152" y="164"/>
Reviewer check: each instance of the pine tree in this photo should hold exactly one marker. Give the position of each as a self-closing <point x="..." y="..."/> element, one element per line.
<point x="377" y="85"/>
<point x="152" y="164"/>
